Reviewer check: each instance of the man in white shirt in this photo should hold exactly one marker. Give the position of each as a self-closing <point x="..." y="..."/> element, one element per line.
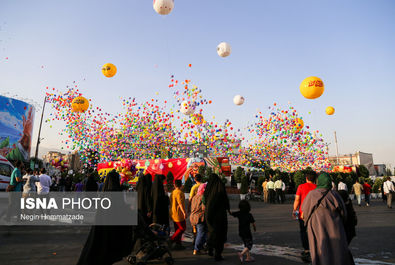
<point x="44" y="184"/>
<point x="342" y="186"/>
<point x="388" y="191"/>
<point x="270" y="189"/>
<point x="278" y="185"/>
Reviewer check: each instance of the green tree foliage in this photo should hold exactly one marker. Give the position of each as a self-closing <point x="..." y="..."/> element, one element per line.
<point x="299" y="178"/>
<point x="269" y="172"/>
<point x="377" y="185"/>
<point x="244" y="184"/>
<point x="238" y="174"/>
<point x="261" y="179"/>
<point x="363" y="171"/>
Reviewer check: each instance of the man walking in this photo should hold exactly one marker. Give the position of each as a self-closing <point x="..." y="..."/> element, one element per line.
<point x="367" y="189"/>
<point x="388" y="191"/>
<point x="270" y="188"/>
<point x="358" y="189"/>
<point x="44" y="184"/>
<point x="265" y="191"/>
<point x="301" y="194"/>
<point x="278" y="185"/>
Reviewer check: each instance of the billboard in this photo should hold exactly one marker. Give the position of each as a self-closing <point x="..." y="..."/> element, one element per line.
<point x="16" y="128"/>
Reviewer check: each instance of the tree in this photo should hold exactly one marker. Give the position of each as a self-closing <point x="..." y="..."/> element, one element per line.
<point x="170" y="181"/>
<point x="269" y="172"/>
<point x="244" y="184"/>
<point x="238" y="174"/>
<point x="261" y="179"/>
<point x="299" y="178"/>
<point x="388" y="172"/>
<point x="377" y="185"/>
<point x="39" y="162"/>
<point x="363" y="171"/>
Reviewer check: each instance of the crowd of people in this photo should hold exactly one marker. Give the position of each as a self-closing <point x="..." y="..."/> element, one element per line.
<point x="207" y="209"/>
<point x="324" y="211"/>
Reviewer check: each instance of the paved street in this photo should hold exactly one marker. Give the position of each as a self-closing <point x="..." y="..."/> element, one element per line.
<point x="276" y="241"/>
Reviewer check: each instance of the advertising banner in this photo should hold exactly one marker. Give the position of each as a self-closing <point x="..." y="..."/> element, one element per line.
<point x="16" y="128"/>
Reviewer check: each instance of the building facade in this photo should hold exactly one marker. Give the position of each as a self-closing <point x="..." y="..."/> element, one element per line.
<point x="359" y="158"/>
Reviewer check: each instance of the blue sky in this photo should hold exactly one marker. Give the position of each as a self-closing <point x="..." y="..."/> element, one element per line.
<point x="275" y="45"/>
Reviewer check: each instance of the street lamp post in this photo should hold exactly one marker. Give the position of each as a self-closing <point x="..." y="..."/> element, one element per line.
<point x="337" y="149"/>
<point x="39" y="132"/>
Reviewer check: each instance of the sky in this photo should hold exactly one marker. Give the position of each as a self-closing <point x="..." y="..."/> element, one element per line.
<point x="275" y="45"/>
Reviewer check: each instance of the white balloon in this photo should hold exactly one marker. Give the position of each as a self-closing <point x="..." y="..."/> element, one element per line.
<point x="163" y="7"/>
<point x="238" y="100"/>
<point x="224" y="49"/>
<point x="188" y="108"/>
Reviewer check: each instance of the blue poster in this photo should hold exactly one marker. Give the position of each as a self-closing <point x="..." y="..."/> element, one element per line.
<point x="16" y="128"/>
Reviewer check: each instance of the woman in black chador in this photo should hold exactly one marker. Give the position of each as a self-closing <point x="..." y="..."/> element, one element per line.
<point x="144" y="186"/>
<point x="108" y="244"/>
<point x="217" y="205"/>
<point x="160" y="202"/>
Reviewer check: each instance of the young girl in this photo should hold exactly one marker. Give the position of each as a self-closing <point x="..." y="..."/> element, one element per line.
<point x="245" y="221"/>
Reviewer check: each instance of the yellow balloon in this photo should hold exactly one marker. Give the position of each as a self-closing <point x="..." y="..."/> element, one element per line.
<point x="312" y="87"/>
<point x="330" y="110"/>
<point x="109" y="70"/>
<point x="79" y="104"/>
<point x="299" y="123"/>
<point x="197" y="119"/>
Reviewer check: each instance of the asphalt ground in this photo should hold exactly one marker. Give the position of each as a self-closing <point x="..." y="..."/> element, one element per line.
<point x="276" y="241"/>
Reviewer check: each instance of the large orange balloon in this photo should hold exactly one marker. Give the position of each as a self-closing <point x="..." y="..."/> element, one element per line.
<point x="79" y="104"/>
<point x="312" y="87"/>
<point x="299" y="124"/>
<point x="109" y="70"/>
<point x="330" y="110"/>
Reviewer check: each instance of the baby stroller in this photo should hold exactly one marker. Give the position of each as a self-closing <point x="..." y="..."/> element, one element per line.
<point x="154" y="246"/>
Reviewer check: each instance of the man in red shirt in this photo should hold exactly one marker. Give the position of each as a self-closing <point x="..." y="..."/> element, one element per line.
<point x="367" y="189"/>
<point x="301" y="194"/>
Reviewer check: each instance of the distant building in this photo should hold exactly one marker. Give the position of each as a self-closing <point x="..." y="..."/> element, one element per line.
<point x="72" y="159"/>
<point x="381" y="169"/>
<point x="52" y="155"/>
<point x="359" y="158"/>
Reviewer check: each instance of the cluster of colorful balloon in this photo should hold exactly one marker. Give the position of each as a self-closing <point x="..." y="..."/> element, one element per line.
<point x="60" y="164"/>
<point x="127" y="170"/>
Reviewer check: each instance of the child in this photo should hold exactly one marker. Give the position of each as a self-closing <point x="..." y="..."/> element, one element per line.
<point x="178" y="213"/>
<point x="245" y="220"/>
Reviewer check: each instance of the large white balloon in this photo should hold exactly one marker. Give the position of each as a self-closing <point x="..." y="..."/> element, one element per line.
<point x="188" y="108"/>
<point x="238" y="100"/>
<point x="224" y="49"/>
<point x="163" y="7"/>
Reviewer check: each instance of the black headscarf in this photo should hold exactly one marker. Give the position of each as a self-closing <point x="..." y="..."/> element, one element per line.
<point x="108" y="244"/>
<point x="91" y="184"/>
<point x="144" y="186"/>
<point x="112" y="182"/>
<point x="160" y="202"/>
<point x="217" y="205"/>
